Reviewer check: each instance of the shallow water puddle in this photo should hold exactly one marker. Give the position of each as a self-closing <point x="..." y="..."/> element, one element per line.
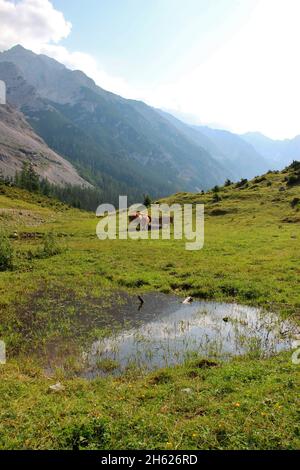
<point x="168" y="332"/>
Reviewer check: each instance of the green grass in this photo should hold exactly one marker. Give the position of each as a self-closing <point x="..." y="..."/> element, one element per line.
<point x="250" y="256"/>
<point x="240" y="405"/>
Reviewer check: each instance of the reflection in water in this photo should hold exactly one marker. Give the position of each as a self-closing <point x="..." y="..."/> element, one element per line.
<point x="169" y="332"/>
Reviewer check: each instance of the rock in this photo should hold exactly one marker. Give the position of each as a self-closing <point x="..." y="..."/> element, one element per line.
<point x="57" y="387"/>
<point x="188" y="300"/>
<point x="187" y="390"/>
<point x="226" y="319"/>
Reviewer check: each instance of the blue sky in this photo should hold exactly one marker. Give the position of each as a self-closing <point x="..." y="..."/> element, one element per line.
<point x="228" y="63"/>
<point x="151" y="40"/>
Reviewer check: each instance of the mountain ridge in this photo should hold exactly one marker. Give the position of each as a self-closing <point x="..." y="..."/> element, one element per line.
<point x="124" y="143"/>
<point x="123" y="139"/>
<point x="278" y="153"/>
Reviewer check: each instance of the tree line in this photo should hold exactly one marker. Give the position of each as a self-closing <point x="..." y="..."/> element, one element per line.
<point x="75" y="196"/>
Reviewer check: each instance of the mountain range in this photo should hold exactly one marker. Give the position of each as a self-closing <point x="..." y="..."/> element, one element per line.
<point x="123" y="145"/>
<point x="278" y="153"/>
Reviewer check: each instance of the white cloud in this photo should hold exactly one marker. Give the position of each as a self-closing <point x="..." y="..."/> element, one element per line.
<point x="29" y="22"/>
<point x="36" y="25"/>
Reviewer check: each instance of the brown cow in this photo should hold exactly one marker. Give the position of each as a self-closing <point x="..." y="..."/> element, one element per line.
<point x="146" y="220"/>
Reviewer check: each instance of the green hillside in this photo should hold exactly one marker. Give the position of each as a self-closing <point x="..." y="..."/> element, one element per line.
<point x="57" y="293"/>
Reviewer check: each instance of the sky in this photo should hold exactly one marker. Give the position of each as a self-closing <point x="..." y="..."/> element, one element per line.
<point x="232" y="64"/>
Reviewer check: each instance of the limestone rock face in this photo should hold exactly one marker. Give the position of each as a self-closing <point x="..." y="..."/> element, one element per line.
<point x="19" y="143"/>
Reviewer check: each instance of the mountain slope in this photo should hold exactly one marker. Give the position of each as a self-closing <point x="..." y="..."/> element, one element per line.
<point x="278" y="153"/>
<point x="107" y="135"/>
<point x="240" y="159"/>
<point x="240" y="156"/>
<point x="19" y="143"/>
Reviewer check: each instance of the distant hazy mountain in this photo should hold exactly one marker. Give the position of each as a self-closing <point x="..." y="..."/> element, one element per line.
<point x="240" y="159"/>
<point x="239" y="156"/>
<point x="103" y="134"/>
<point x="278" y="153"/>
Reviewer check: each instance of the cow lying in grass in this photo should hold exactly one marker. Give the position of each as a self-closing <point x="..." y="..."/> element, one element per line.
<point x="145" y="222"/>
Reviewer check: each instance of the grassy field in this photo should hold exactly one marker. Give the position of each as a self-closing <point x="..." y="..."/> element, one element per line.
<point x="250" y="256"/>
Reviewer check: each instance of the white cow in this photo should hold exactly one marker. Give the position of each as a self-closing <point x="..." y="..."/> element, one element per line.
<point x="144" y="221"/>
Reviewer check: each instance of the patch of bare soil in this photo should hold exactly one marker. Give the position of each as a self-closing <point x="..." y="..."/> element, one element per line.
<point x="22" y="217"/>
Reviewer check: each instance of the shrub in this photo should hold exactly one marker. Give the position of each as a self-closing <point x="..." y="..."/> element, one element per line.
<point x="51" y="246"/>
<point x="260" y="179"/>
<point x="216" y="198"/>
<point x="295" y="165"/>
<point x="242" y="183"/>
<point x="295" y="202"/>
<point x="293" y="179"/>
<point x="6" y="253"/>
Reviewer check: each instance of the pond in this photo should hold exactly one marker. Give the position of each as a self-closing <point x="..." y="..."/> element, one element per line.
<point x="166" y="332"/>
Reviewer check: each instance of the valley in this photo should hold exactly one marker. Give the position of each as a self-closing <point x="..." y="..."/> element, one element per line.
<point x="62" y="291"/>
<point x="118" y="145"/>
<point x="149" y="232"/>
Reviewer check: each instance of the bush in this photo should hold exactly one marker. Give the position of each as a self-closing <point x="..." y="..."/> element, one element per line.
<point x="295" y="202"/>
<point x="243" y="182"/>
<point x="260" y="179"/>
<point x="216" y="198"/>
<point x="6" y="253"/>
<point x="295" y="165"/>
<point x="51" y="246"/>
<point x="293" y="179"/>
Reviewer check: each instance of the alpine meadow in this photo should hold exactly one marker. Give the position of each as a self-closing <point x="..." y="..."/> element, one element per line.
<point x="118" y="332"/>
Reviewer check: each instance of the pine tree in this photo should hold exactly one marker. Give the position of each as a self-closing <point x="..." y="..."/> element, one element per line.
<point x="147" y="200"/>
